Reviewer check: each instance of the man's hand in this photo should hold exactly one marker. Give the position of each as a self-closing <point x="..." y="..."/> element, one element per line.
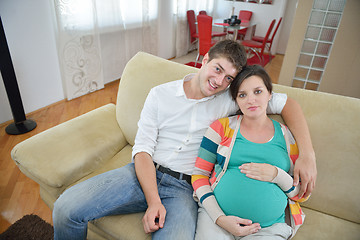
<point x="305" y="169"/>
<point x="154" y="218"/>
<point x="232" y="225"/>
<point x="259" y="171"/>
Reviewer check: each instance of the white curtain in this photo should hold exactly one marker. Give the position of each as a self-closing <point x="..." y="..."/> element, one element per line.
<point x="96" y="38"/>
<point x="182" y="29"/>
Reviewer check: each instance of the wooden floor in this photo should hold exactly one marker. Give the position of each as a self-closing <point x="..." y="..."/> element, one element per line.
<point x="19" y="195"/>
<point x="274" y="68"/>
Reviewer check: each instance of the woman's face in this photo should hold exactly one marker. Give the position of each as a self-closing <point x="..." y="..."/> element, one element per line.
<point x="253" y="97"/>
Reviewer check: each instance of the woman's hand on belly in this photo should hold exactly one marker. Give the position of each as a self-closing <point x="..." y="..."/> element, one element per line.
<point x="259" y="171"/>
<point x="232" y="225"/>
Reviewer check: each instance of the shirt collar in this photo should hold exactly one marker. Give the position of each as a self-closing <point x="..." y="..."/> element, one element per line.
<point x="180" y="89"/>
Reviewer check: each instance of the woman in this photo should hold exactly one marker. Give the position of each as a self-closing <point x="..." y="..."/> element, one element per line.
<point x="242" y="175"/>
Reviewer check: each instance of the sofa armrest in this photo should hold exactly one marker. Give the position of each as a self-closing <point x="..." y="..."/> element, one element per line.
<point x="67" y="152"/>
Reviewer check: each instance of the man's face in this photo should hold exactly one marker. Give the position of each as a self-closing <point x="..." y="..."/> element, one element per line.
<point x="216" y="75"/>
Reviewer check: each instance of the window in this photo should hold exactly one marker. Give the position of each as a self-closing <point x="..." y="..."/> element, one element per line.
<point x="82" y="14"/>
<point x="322" y="26"/>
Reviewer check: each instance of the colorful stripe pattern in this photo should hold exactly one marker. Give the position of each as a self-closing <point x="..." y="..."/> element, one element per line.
<point x="211" y="162"/>
<point x="212" y="154"/>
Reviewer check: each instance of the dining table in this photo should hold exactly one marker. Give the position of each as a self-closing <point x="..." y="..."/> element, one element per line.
<point x="235" y="28"/>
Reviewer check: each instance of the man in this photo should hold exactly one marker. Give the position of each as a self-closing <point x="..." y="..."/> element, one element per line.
<point x="172" y="123"/>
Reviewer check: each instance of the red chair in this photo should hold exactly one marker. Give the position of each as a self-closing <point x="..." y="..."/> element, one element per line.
<point x="258" y="47"/>
<point x="205" y="39"/>
<point x="190" y="14"/>
<point x="192" y="26"/>
<point x="202" y="12"/>
<point x="245" y="16"/>
<point x="268" y="41"/>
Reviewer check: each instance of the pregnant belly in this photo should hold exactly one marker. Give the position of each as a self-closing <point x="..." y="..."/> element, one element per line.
<point x="261" y="202"/>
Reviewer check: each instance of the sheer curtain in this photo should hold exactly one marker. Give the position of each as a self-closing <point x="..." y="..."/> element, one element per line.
<point x="96" y="38"/>
<point x="182" y="29"/>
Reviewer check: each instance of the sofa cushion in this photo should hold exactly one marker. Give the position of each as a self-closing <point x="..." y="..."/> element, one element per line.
<point x="125" y="227"/>
<point x="319" y="225"/>
<point x="122" y="158"/>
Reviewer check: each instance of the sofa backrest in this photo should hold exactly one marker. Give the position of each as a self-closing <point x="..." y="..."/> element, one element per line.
<point x="334" y="124"/>
<point x="143" y="72"/>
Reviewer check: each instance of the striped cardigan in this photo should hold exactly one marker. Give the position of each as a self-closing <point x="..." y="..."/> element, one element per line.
<point x="216" y="147"/>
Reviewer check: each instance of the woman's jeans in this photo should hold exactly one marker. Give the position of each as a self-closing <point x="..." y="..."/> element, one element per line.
<point x="208" y="230"/>
<point x="119" y="192"/>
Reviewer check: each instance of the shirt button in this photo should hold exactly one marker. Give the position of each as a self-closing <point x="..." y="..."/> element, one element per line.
<point x="180" y="148"/>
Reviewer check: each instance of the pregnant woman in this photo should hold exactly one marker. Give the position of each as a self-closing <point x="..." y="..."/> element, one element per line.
<point x="242" y="176"/>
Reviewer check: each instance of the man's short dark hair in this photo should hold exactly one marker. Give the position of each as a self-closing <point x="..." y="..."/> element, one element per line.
<point x="230" y="50"/>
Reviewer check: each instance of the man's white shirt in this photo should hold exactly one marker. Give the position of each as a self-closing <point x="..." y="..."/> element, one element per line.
<point x="171" y="126"/>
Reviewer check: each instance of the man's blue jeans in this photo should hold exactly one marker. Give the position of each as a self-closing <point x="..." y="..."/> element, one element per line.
<point x="119" y="192"/>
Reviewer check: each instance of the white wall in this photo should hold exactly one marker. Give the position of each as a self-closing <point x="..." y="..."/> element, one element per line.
<point x="30" y="35"/>
<point x="263" y="14"/>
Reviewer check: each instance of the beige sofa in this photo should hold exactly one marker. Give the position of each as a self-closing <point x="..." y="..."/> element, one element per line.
<point x="102" y="139"/>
